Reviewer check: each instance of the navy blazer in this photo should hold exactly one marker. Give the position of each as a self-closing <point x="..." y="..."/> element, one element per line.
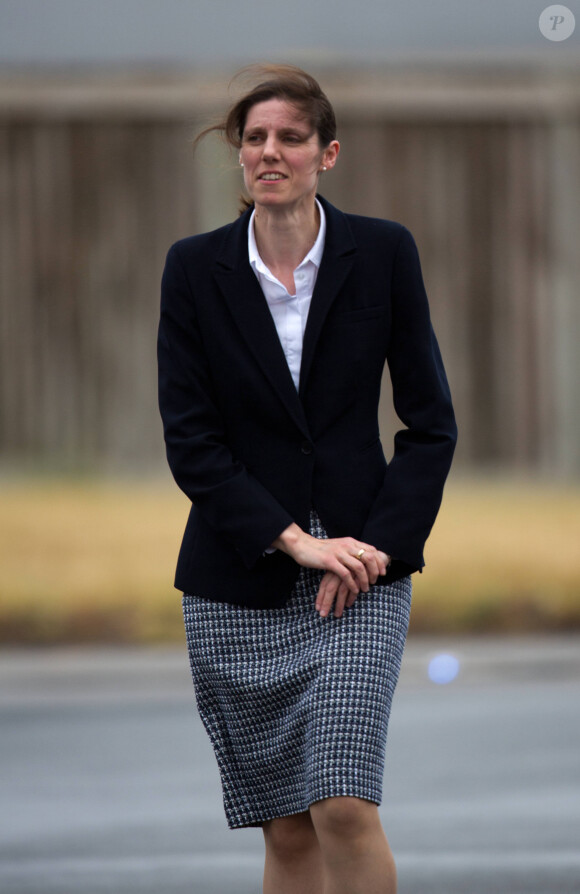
<point x="253" y="454"/>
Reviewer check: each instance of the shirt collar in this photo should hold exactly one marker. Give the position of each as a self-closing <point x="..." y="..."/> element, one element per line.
<point x="314" y="255"/>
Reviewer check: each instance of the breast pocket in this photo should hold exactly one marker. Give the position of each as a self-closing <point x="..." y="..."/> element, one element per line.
<point x="375" y="312"/>
<point x="364" y="333"/>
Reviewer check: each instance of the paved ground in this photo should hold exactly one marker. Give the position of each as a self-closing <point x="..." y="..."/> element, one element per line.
<point x="109" y="784"/>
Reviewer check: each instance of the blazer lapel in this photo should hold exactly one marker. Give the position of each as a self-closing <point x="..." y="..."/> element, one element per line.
<point x="248" y="306"/>
<point x="337" y="261"/>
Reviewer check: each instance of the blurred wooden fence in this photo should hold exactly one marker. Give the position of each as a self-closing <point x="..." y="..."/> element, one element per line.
<point x="97" y="179"/>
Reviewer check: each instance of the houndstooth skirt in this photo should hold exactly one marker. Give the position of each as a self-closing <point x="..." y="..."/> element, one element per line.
<point x="297" y="706"/>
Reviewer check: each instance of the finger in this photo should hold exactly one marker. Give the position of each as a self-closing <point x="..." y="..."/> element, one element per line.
<point x="351" y="599"/>
<point x="371" y="559"/>
<point x="377" y="563"/>
<point x="384" y="561"/>
<point x="371" y="563"/>
<point x="359" y="572"/>
<point x="343" y="571"/>
<point x="344" y="598"/>
<point x="369" y="550"/>
<point x="324" y="586"/>
<point x="327" y="593"/>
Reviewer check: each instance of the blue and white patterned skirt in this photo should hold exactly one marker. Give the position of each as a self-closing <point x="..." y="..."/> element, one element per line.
<point x="297" y="706"/>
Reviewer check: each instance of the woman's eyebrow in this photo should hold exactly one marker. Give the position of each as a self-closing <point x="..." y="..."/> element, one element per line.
<point x="281" y="132"/>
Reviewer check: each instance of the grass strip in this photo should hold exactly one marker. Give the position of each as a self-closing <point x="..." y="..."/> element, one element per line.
<point x="93" y="562"/>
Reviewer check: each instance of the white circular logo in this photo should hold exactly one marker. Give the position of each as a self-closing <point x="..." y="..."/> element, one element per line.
<point x="557" y="22"/>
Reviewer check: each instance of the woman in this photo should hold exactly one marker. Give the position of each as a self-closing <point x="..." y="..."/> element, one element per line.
<point x="296" y="559"/>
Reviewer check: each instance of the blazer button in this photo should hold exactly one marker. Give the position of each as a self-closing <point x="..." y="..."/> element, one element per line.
<point x="306" y="448"/>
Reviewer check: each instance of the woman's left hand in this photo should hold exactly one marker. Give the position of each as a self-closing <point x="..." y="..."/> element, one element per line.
<point x="333" y="590"/>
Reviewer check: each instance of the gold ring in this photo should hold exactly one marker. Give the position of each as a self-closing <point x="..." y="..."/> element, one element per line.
<point x="360" y="553"/>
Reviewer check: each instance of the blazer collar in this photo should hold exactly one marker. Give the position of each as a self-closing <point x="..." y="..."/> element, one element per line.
<point x="337" y="261"/>
<point x="249" y="308"/>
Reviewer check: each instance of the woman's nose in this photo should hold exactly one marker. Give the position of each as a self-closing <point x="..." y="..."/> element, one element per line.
<point x="271" y="148"/>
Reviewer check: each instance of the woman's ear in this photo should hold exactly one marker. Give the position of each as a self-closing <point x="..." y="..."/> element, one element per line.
<point x="330" y="155"/>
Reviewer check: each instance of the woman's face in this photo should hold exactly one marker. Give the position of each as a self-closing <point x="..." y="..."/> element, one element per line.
<point x="281" y="155"/>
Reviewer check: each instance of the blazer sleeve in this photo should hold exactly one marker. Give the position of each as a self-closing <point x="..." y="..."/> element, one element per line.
<point x="231" y="501"/>
<point x="405" y="508"/>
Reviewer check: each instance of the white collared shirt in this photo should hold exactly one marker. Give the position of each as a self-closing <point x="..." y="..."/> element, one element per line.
<point x="290" y="312"/>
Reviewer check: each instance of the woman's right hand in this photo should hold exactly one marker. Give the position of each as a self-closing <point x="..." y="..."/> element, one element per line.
<point x="341" y="556"/>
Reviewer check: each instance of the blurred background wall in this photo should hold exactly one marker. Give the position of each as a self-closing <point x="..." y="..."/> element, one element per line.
<point x="459" y="119"/>
<point x="97" y="179"/>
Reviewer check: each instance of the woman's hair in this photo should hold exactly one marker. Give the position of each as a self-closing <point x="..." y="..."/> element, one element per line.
<point x="285" y="82"/>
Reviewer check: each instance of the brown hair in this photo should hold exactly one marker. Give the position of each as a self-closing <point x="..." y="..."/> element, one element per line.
<point x="286" y="82"/>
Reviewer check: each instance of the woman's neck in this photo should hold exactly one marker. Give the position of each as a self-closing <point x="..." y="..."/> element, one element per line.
<point x="284" y="237"/>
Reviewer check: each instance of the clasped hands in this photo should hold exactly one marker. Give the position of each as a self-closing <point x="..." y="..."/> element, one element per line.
<point x="351" y="566"/>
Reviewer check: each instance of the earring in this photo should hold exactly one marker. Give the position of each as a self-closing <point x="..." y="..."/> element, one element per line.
<point x="324" y="167"/>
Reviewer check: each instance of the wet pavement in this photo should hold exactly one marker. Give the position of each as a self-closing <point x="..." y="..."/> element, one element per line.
<point x="109" y="783"/>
